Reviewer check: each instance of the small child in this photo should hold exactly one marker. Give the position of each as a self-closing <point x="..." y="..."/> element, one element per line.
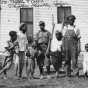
<point x="16" y="59"/>
<point x="85" y="61"/>
<point x="30" y="63"/>
<point x="10" y="50"/>
<point x="56" y="53"/>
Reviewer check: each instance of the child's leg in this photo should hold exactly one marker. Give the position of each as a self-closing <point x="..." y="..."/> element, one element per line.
<point x="16" y="64"/>
<point x="21" y="62"/>
<point x="84" y="68"/>
<point x="5" y="74"/>
<point x="32" y="68"/>
<point x="16" y="70"/>
<point x="29" y="68"/>
<point x="6" y="67"/>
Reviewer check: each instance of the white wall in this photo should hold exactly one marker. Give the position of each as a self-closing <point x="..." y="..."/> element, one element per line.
<point x="9" y="21"/>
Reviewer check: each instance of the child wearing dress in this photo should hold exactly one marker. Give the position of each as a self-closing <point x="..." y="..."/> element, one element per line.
<point x="85" y="61"/>
<point x="10" y="50"/>
<point x="30" y="63"/>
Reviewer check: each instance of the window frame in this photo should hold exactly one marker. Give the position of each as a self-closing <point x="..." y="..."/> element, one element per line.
<point x="64" y="12"/>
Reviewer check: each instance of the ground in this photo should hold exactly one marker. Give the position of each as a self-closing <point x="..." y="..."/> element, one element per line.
<point x="62" y="82"/>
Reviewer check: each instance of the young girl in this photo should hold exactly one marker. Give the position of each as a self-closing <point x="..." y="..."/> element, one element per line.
<point x="16" y="60"/>
<point x="30" y="63"/>
<point x="85" y="61"/>
<point x="10" y="50"/>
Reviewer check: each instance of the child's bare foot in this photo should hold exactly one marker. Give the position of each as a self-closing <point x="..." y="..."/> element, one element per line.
<point x="5" y="77"/>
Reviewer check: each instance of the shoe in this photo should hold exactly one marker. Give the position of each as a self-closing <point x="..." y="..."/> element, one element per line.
<point x="41" y="77"/>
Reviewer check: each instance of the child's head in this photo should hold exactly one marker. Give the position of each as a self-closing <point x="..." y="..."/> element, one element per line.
<point x="23" y="28"/>
<point x="58" y="35"/>
<point x="13" y="35"/>
<point x="86" y="47"/>
<point x="71" y="19"/>
<point x="30" y="39"/>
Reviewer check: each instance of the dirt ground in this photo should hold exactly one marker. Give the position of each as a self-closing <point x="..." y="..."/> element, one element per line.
<point x="62" y="82"/>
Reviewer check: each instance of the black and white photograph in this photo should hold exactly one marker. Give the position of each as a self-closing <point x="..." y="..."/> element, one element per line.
<point x="43" y="43"/>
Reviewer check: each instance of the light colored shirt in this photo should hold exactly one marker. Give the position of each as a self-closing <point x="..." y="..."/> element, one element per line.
<point x="56" y="45"/>
<point x="76" y="30"/>
<point x="22" y="40"/>
<point x="85" y="62"/>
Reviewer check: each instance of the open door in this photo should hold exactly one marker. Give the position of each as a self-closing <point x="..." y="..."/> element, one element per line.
<point x="26" y="16"/>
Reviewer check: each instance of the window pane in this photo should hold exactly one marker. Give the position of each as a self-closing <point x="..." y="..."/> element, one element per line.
<point x="23" y="15"/>
<point x="29" y="29"/>
<point x="30" y="15"/>
<point x="67" y="12"/>
<point x="26" y="15"/>
<point x="62" y="13"/>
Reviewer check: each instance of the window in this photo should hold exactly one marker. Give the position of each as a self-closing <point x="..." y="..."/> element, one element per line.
<point x="26" y="16"/>
<point x="62" y="13"/>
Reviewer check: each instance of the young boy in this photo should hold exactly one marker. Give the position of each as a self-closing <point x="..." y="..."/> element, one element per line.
<point x="56" y="54"/>
<point x="30" y="63"/>
<point x="10" y="49"/>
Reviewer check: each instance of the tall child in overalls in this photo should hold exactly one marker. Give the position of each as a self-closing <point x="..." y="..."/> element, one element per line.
<point x="70" y="45"/>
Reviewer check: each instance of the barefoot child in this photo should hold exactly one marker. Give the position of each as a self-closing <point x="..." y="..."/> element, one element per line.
<point x="30" y="53"/>
<point x="85" y="61"/>
<point x="10" y="49"/>
<point x="56" y="53"/>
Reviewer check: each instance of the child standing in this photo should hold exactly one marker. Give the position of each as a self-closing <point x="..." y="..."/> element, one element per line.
<point x="56" y="53"/>
<point x="30" y="63"/>
<point x="10" y="49"/>
<point x="85" y="61"/>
